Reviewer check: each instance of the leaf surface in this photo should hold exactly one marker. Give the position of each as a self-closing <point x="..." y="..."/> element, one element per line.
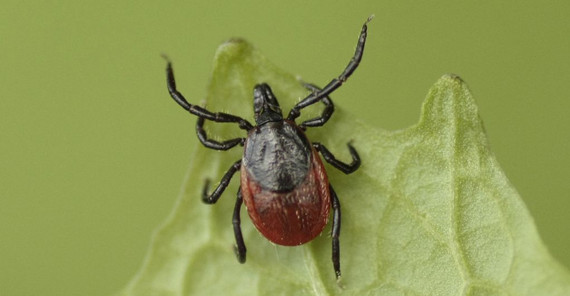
<point x="430" y="211"/>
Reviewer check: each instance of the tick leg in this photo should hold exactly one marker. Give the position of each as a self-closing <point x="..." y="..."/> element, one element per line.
<point x="337" y="82"/>
<point x="239" y="248"/>
<point x="213" y="198"/>
<point x="225" y="145"/>
<point x="335" y="232"/>
<point x="344" y="167"/>
<point x="327" y="112"/>
<point x="197" y="110"/>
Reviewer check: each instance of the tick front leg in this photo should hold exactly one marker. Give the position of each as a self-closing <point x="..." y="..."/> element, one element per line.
<point x="239" y="248"/>
<point x="343" y="167"/>
<point x="337" y="82"/>
<point x="213" y="198"/>
<point x="195" y="109"/>
<point x="335" y="232"/>
<point x="203" y="137"/>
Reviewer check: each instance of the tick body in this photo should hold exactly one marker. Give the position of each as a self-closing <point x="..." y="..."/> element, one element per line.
<point x="283" y="181"/>
<point x="284" y="184"/>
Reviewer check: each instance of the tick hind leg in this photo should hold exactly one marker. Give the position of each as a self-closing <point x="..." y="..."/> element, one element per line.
<point x="335" y="232"/>
<point x="346" y="168"/>
<point x="327" y="112"/>
<point x="239" y="248"/>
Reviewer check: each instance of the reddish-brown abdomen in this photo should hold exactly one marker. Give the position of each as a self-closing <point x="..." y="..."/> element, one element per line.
<point x="294" y="217"/>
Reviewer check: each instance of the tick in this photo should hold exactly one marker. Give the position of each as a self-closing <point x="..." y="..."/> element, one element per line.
<point x="283" y="183"/>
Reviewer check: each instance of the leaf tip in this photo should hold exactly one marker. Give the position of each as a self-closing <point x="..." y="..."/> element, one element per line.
<point x="451" y="77"/>
<point x="448" y="100"/>
<point x="232" y="48"/>
<point x="450" y="82"/>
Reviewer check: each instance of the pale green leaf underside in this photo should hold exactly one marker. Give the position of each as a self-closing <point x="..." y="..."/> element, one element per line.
<point x="429" y="213"/>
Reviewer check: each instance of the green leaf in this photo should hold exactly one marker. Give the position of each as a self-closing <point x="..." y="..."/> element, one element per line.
<point x="429" y="213"/>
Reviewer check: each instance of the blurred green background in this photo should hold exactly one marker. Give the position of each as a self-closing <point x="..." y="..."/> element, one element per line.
<point x="93" y="151"/>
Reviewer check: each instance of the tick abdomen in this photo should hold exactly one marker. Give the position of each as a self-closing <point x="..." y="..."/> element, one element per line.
<point x="293" y="217"/>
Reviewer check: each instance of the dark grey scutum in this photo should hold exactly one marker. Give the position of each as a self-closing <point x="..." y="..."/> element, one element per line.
<point x="277" y="155"/>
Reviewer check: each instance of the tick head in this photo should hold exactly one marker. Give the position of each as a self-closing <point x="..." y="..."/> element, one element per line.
<point x="265" y="105"/>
